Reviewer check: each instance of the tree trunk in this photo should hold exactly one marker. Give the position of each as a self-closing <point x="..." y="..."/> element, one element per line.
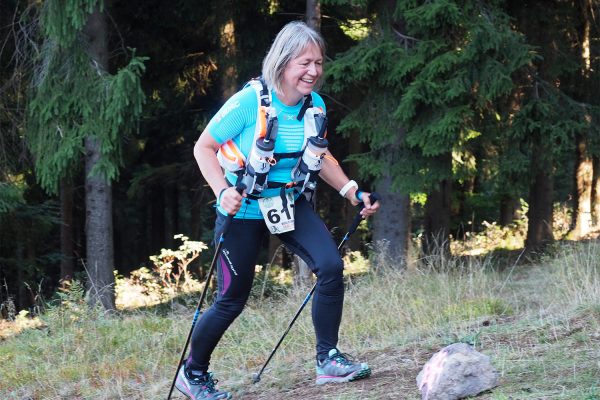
<point x="541" y="187"/>
<point x="313" y="14"/>
<point x="509" y="210"/>
<point x="98" y="199"/>
<point x="99" y="231"/>
<point x="22" y="269"/>
<point x="582" y="197"/>
<point x="198" y="198"/>
<point x="67" y="262"/>
<point x="391" y="224"/>
<point x="172" y="220"/>
<point x="539" y="230"/>
<point x="229" y="47"/>
<point x="541" y="193"/>
<point x="157" y="219"/>
<point x="596" y="192"/>
<point x="79" y="236"/>
<point x="30" y="294"/>
<point x="583" y="172"/>
<point x="436" y="221"/>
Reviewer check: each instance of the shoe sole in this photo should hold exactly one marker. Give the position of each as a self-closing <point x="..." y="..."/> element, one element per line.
<point x="189" y="397"/>
<point x="361" y="374"/>
<point x="179" y="382"/>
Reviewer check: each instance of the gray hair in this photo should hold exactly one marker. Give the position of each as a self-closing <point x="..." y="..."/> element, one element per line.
<point x="289" y="43"/>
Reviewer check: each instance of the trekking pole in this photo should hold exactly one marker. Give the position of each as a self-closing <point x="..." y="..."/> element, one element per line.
<point x="357" y="218"/>
<point x="240" y="189"/>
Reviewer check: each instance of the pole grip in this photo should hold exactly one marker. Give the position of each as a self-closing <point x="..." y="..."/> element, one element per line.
<point x="374" y="197"/>
<point x="240" y="187"/>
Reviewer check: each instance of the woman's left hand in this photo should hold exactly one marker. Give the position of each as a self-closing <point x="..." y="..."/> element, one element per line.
<point x="369" y="208"/>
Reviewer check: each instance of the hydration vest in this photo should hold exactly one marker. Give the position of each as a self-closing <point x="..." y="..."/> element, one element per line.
<point x="253" y="170"/>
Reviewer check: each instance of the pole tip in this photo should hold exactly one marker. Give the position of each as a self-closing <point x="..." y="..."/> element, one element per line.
<point x="255" y="378"/>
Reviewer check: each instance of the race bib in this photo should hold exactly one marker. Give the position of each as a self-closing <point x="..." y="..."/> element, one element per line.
<point x="279" y="219"/>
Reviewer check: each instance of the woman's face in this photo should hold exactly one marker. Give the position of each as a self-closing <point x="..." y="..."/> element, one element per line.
<point x="301" y="74"/>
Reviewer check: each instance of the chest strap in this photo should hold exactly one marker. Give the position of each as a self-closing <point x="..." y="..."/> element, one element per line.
<point x="295" y="154"/>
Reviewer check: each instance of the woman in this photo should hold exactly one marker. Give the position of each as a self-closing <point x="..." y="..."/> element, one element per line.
<point x="291" y="70"/>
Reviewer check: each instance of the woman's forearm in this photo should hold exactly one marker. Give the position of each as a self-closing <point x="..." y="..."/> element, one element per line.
<point x="334" y="176"/>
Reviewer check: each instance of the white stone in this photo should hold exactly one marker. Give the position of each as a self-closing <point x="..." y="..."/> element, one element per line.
<point x="455" y="372"/>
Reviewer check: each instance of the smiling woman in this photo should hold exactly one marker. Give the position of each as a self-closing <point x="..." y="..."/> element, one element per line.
<point x="270" y="138"/>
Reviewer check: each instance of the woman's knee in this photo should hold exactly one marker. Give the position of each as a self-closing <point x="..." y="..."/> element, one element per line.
<point x="229" y="308"/>
<point x="330" y="271"/>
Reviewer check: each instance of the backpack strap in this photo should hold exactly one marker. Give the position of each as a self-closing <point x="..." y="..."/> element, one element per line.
<point x="263" y="95"/>
<point x="308" y="103"/>
<point x="295" y="154"/>
<point x="229" y="155"/>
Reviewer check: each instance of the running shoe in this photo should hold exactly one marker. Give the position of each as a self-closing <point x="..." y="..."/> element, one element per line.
<point x="199" y="387"/>
<point x="339" y="367"/>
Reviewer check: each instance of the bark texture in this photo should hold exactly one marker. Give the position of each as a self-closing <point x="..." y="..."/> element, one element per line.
<point x="98" y="192"/>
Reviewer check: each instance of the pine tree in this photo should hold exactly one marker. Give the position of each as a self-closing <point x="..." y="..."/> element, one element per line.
<point x="28" y="217"/>
<point x="439" y="72"/>
<point x="551" y="113"/>
<point x="78" y="108"/>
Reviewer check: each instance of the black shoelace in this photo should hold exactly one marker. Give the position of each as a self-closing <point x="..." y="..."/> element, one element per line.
<point x="344" y="359"/>
<point x="206" y="381"/>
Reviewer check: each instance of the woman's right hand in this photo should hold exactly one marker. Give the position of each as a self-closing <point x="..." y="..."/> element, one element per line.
<point x="231" y="201"/>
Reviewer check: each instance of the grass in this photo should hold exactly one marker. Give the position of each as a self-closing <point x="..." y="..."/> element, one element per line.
<point x="540" y="324"/>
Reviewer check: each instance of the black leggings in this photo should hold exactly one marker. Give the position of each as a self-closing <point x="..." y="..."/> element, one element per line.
<point x="235" y="272"/>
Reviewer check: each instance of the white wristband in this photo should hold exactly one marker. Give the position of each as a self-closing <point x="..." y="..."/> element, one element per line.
<point x="347" y="186"/>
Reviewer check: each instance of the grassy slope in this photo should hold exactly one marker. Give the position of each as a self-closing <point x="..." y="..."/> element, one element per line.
<point x="539" y="324"/>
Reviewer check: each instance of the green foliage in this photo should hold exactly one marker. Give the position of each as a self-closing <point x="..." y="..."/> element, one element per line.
<point x="354" y="3"/>
<point x="427" y="88"/>
<point x="550" y="120"/>
<point x="75" y="102"/>
<point x="61" y="20"/>
<point x="146" y="176"/>
<point x="69" y="306"/>
<point x="11" y="196"/>
<point x="594" y="394"/>
<point x="439" y="15"/>
<point x="474" y="308"/>
<point x="73" y="98"/>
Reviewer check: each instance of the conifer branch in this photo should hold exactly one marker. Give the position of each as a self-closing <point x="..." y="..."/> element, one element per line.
<point x="405" y="40"/>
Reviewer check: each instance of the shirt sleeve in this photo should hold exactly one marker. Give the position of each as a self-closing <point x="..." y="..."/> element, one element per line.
<point x="318" y="102"/>
<point x="236" y="115"/>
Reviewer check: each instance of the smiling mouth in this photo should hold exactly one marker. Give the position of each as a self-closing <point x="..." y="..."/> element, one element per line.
<point x="309" y="81"/>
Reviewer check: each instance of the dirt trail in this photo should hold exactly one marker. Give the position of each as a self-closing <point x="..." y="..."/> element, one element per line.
<point x="394" y="377"/>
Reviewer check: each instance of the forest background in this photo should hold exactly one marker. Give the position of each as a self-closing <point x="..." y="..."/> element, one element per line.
<point x="463" y="115"/>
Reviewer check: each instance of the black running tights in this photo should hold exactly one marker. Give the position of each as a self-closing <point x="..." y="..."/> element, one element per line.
<point x="235" y="272"/>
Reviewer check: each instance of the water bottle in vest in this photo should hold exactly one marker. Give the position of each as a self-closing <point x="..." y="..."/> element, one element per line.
<point x="261" y="159"/>
<point x="312" y="158"/>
